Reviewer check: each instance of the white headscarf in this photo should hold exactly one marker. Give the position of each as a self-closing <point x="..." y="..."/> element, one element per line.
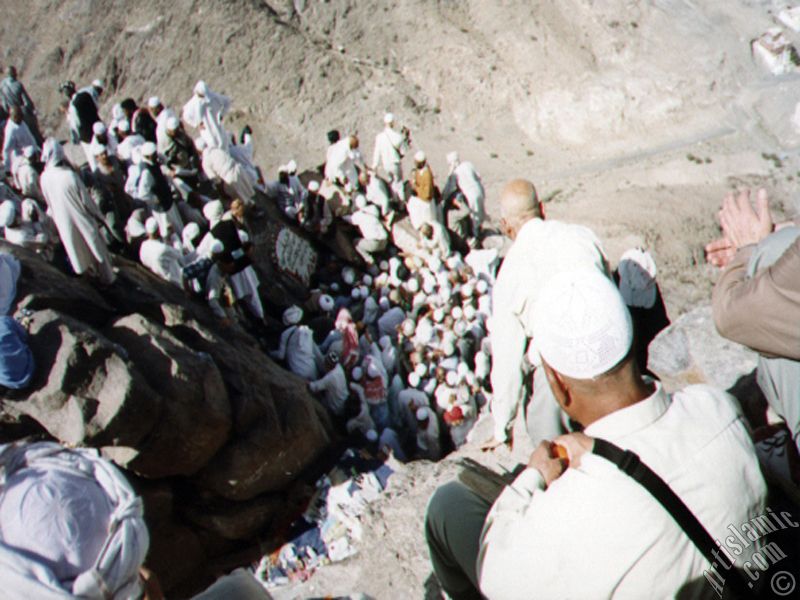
<point x="52" y="152"/>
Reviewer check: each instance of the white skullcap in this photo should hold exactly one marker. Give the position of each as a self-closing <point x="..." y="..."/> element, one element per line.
<point x="637" y="278"/>
<point x="367" y="280"/>
<point x="98" y="83"/>
<point x="435" y="264"/>
<point x="428" y="286"/>
<point x="124" y="126"/>
<point x="419" y="156"/>
<point x="151" y="226"/>
<point x="385" y="342"/>
<point x="469" y="312"/>
<point x="29" y="152"/>
<point x="348" y="275"/>
<point x="191" y="230"/>
<point x="413" y="285"/>
<point x="452" y="157"/>
<point x="313" y="186"/>
<point x="149" y="149"/>
<point x="7" y="213"/>
<point x="355" y="294"/>
<point x="173" y="123"/>
<point x="372" y="435"/>
<point x="408" y="327"/>
<point x="388" y="118"/>
<point x="200" y="88"/>
<point x="581" y="324"/>
<point x="334" y="287"/>
<point x="291" y="211"/>
<point x="153" y="101"/>
<point x="449" y="348"/>
<point x="357" y="373"/>
<point x="460" y="328"/>
<point x="462" y="368"/>
<point x="213" y="211"/>
<point x="413" y="380"/>
<point x="421" y="370"/>
<point x="291" y="167"/>
<point x="467" y="290"/>
<point x="481" y="287"/>
<point x="457" y="312"/>
<point x="384" y="303"/>
<point x="451" y="378"/>
<point x="364" y="291"/>
<point x="360" y="202"/>
<point x="292" y="315"/>
<point x="200" y="144"/>
<point x="384" y="265"/>
<point x="98" y="128"/>
<point x="98" y="149"/>
<point x="326" y="303"/>
<point x="373" y="371"/>
<point x="422" y="413"/>
<point x="438" y="315"/>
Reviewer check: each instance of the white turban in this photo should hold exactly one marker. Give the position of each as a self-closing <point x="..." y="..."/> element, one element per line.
<point x="151" y="226"/>
<point x="326" y="303"/>
<point x="98" y="128"/>
<point x="637" y="278"/>
<point x="8" y="211"/>
<point x="213" y="211"/>
<point x="124" y="126"/>
<point x="422" y="413"/>
<point x="291" y="167"/>
<point x="373" y="371"/>
<point x="153" y="101"/>
<point x="413" y="380"/>
<point x="388" y="118"/>
<point x="457" y="312"/>
<point x="72" y="525"/>
<point x="292" y="315"/>
<point x="149" y="149"/>
<point x="348" y="275"/>
<point x="413" y="285"/>
<point x="451" y="378"/>
<point x="419" y="157"/>
<point x="313" y="186"/>
<point x="200" y="88"/>
<point x="173" y="123"/>
<point x="408" y="327"/>
<point x="581" y="325"/>
<point x="52" y="152"/>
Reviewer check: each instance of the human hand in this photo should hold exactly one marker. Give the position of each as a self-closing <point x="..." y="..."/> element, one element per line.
<point x="720" y="252"/>
<point x="741" y="225"/>
<point x="543" y="461"/>
<point x="576" y="445"/>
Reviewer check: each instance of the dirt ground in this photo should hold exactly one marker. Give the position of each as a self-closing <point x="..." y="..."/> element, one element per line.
<point x="634" y="118"/>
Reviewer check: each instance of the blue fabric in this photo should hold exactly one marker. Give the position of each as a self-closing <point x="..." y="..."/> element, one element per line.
<point x="9" y="273"/>
<point x="16" y="359"/>
<point x="380" y="415"/>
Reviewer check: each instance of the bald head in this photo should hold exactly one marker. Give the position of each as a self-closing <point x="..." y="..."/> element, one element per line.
<point x="519" y="203"/>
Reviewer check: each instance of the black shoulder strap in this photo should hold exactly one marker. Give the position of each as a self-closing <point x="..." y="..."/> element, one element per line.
<point x="629" y="463"/>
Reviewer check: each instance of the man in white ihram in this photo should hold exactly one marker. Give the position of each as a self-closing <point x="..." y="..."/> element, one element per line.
<point x="590" y="530"/>
<point x="390" y="147"/>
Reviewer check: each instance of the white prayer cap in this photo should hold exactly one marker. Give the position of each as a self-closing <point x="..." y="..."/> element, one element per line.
<point x="291" y="167"/>
<point x="200" y="144"/>
<point x="438" y="315"/>
<point x="451" y="378"/>
<point x="356" y="373"/>
<point x="367" y="280"/>
<point x="348" y="275"/>
<point x="413" y="285"/>
<point x="173" y="123"/>
<point x="313" y="186"/>
<point x="449" y="348"/>
<point x="151" y="226"/>
<point x="385" y="342"/>
<point x="52" y="152"/>
<point x="373" y="371"/>
<point x="421" y="370"/>
<point x="422" y="413"/>
<point x="153" y="101"/>
<point x="191" y="230"/>
<point x="7" y="213"/>
<point x="355" y="294"/>
<point x="291" y="211"/>
<point x="460" y="327"/>
<point x="457" y="312"/>
<point x="326" y="303"/>
<point x="413" y="380"/>
<point x="428" y="286"/>
<point x="469" y="312"/>
<point x="200" y="88"/>
<point x="467" y="290"/>
<point x="149" y="149"/>
<point x="435" y="264"/>
<point x="360" y="202"/>
<point x="124" y="126"/>
<point x="29" y="152"/>
<point x="384" y="303"/>
<point x="98" y="83"/>
<point x="388" y="118"/>
<point x="637" y="278"/>
<point x="372" y="435"/>
<point x="581" y="324"/>
<point x="98" y="149"/>
<point x="213" y="211"/>
<point x="364" y="291"/>
<point x="481" y="287"/>
<point x="334" y="287"/>
<point x="419" y="157"/>
<point x="98" y="128"/>
<point x="384" y="265"/>
<point x="292" y="315"/>
<point x="408" y="327"/>
<point x="462" y="368"/>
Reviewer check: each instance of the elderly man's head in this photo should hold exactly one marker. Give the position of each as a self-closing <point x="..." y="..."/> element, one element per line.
<point x="519" y="203"/>
<point x="584" y="333"/>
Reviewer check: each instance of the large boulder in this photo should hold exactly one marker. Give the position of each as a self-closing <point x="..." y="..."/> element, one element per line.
<point x="85" y="390"/>
<point x="235" y="520"/>
<point x="195" y="418"/>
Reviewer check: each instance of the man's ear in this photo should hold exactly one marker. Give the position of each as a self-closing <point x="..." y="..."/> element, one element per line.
<point x="557" y="385"/>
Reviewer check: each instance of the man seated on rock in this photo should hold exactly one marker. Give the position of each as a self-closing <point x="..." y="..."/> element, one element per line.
<point x="757" y="297"/>
<point x="160" y="258"/>
<point x="528" y="543"/>
<point x="333" y="385"/>
<point x="374" y="237"/>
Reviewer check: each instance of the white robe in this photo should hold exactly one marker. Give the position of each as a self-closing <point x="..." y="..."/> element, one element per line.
<point x="469" y="182"/>
<point x="27" y="180"/>
<point x="209" y="110"/>
<point x="17" y="137"/>
<point x="162" y="139"/>
<point x="163" y="260"/>
<point x="340" y="165"/>
<point x="237" y="181"/>
<point x="74" y="212"/>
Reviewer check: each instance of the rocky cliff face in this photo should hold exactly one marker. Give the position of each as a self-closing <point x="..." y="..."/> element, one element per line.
<point x="210" y="429"/>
